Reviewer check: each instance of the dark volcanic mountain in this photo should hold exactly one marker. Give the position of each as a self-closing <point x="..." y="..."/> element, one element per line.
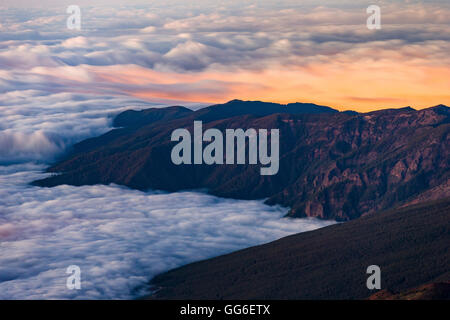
<point x="333" y="165"/>
<point x="410" y="245"/>
<point x="133" y="118"/>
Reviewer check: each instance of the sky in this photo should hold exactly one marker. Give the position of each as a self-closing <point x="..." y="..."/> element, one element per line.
<point x="204" y="52"/>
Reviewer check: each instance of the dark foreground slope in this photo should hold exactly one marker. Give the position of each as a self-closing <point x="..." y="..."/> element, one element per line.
<point x="431" y="291"/>
<point x="411" y="246"/>
<point x="333" y="165"/>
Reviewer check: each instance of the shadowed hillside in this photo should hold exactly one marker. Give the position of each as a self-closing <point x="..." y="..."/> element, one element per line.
<point x="410" y="245"/>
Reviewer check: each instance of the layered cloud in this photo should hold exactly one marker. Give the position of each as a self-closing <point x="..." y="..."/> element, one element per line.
<point x="37" y="125"/>
<point x="288" y="51"/>
<point x="119" y="238"/>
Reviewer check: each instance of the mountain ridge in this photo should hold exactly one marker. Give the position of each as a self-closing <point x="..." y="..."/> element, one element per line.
<point x="333" y="165"/>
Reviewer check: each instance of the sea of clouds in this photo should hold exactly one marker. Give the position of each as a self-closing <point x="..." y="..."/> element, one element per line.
<point x="192" y="50"/>
<point x="119" y="238"/>
<point x="39" y="126"/>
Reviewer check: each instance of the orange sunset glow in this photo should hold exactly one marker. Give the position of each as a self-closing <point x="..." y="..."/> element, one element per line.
<point x="381" y="84"/>
<point x="317" y="54"/>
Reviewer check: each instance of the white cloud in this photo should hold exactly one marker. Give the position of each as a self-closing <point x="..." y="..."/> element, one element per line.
<point x="39" y="126"/>
<point x="120" y="238"/>
<point x="77" y="42"/>
<point x="149" y="29"/>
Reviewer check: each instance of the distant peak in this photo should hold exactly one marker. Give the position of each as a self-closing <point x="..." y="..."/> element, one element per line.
<point x="441" y="106"/>
<point x="441" y="109"/>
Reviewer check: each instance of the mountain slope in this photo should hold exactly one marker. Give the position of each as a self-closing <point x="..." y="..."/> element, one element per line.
<point x="432" y="291"/>
<point x="332" y="165"/>
<point x="131" y="118"/>
<point x="410" y="245"/>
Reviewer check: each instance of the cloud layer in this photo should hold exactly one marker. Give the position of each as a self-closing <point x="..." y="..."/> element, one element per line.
<point x="37" y="125"/>
<point x="202" y="52"/>
<point x="119" y="238"/>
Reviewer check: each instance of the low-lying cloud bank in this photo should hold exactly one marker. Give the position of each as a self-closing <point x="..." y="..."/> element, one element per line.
<point x="37" y="126"/>
<point x="119" y="238"/>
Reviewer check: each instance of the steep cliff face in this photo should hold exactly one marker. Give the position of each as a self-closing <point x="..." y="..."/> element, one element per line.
<point x="371" y="162"/>
<point x="332" y="165"/>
